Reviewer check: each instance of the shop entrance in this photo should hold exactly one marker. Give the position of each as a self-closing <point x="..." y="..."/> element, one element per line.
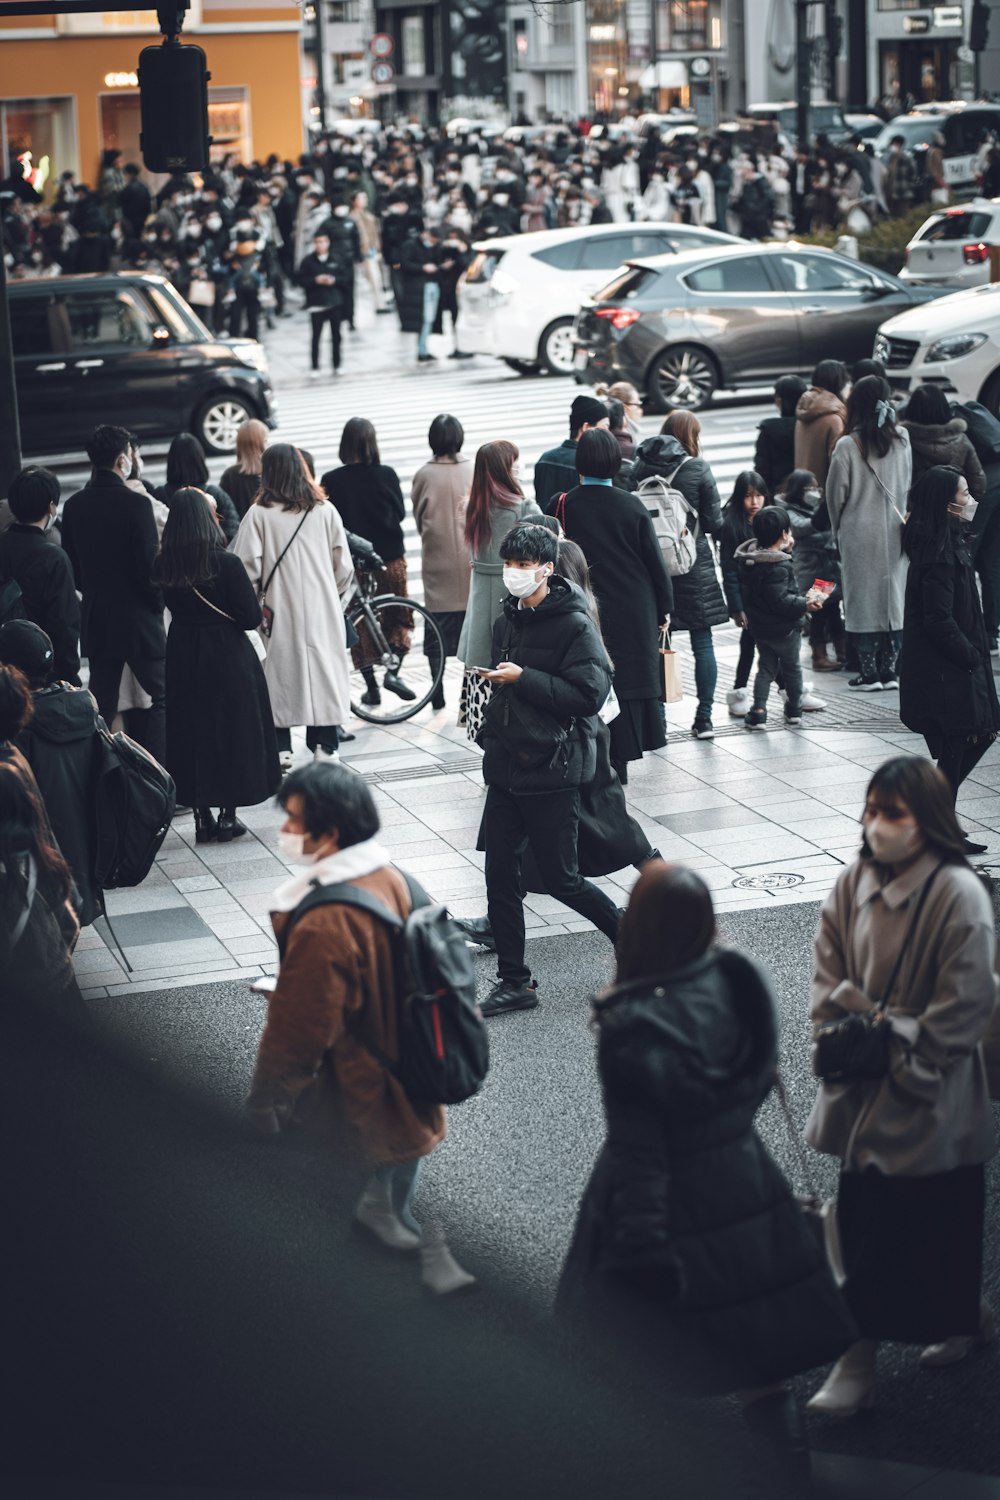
<point x="927" y="70"/>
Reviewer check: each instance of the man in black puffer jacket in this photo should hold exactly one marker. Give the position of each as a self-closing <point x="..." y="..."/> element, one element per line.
<point x="550" y="676"/>
<point x="773" y="608"/>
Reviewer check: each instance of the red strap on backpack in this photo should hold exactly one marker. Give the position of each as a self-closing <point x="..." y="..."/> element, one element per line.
<point x="560" y="510"/>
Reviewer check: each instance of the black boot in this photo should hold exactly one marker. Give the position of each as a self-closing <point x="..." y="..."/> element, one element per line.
<point x="371" y="695"/>
<point x="780" y="1433"/>
<point x="395" y="684"/>
<point x="206" y="829"/>
<point x="230" y="826"/>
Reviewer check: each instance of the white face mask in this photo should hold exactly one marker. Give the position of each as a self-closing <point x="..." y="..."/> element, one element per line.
<point x="522" y="582"/>
<point x="891" y="844"/>
<point x="969" y="508"/>
<point x="214" y="222"/>
<point x="291" y="846"/>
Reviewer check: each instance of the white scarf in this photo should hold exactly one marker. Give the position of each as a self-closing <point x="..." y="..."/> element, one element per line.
<point x="346" y="864"/>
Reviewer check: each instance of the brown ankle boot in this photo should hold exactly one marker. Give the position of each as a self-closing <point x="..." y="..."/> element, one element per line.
<point x="821" y="661"/>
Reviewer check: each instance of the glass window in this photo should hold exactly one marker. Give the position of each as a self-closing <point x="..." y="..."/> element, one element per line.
<point x="41" y="135"/>
<point x="564" y="257"/>
<point x="412" y="38"/>
<point x="820" y="273"/>
<point x="744" y="274"/>
<point x="627" y="286"/>
<point x="482" y="266"/>
<point x="31" y="328"/>
<point x="956" y="225"/>
<point x="605" y="252"/>
<point x="104" y="318"/>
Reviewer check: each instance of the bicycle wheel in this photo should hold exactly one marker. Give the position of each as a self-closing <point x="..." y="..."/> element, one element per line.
<point x="381" y="622"/>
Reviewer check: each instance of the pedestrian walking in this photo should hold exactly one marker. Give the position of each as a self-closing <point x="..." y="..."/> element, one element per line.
<point x="371" y="248"/>
<point x="320" y="275"/>
<point x="908" y="927"/>
<point x="632" y="588"/>
<point x="241" y="480"/>
<point x="674" y="455"/>
<point x="750" y="494"/>
<point x="820" y="417"/>
<point x="496" y="505"/>
<point x="439" y="495"/>
<point x="293" y="546"/>
<point x="110" y="537"/>
<point x="937" y="437"/>
<point x="41" y="570"/>
<point x="187" y="469"/>
<point x="221" y="746"/>
<point x="550" y="674"/>
<point x="332" y="1028"/>
<point x="774" y="608"/>
<point x="866" y="492"/>
<point x="555" y="470"/>
<point x="419" y="265"/>
<point x="946" y="687"/>
<point x="690" y="1254"/>
<point x="774" y="456"/>
<point x="369" y="500"/>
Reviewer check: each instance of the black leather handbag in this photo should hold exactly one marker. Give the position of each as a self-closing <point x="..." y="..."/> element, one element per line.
<point x="856" y="1047"/>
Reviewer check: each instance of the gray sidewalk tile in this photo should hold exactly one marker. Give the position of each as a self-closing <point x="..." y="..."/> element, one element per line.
<point x="731" y="815"/>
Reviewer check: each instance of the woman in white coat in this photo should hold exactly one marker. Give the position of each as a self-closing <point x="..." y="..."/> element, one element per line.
<point x="293" y="545"/>
<point x="866" y="491"/>
<point x="908" y="927"/>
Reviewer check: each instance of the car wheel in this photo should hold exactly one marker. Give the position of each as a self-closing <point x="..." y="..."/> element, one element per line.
<point x="683" y="377"/>
<point x="990" y="394"/>
<point x="522" y="366"/>
<point x="555" y="347"/>
<point x="219" y="420"/>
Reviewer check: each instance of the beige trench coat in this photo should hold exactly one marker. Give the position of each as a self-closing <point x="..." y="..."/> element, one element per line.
<point x="307" y="667"/>
<point x="439" y="493"/>
<point x="931" y="1113"/>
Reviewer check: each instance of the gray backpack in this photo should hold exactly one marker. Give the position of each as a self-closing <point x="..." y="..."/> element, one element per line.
<point x="674" y="521"/>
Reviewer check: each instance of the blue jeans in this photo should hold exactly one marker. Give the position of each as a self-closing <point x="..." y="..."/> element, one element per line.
<point x="706" y="669"/>
<point x="401" y="1179"/>
<point x="432" y="296"/>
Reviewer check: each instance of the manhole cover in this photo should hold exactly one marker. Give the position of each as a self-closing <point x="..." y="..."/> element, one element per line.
<point x="777" y="880"/>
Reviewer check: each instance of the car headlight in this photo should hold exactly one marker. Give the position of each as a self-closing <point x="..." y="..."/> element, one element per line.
<point x="252" y="354"/>
<point x="881" y="350"/>
<point x="954" y="346"/>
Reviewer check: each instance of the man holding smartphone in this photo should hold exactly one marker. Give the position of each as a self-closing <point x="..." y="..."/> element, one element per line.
<point x="550" y="674"/>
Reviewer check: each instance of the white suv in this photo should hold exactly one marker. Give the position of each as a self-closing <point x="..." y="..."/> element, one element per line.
<point x="952" y="247"/>
<point x="521" y="293"/>
<point x="952" y="342"/>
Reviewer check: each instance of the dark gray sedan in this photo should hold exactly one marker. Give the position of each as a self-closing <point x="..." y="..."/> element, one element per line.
<point x="681" y="327"/>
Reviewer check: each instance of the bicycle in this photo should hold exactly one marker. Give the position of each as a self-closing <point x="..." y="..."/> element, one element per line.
<point x="374" y="618"/>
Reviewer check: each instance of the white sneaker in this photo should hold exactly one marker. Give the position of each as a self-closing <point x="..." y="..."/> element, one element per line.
<point x="811" y="703"/>
<point x="952" y="1351"/>
<point x="285" y="761"/>
<point x="314" y="374"/>
<point x="739" y="702"/>
<point x="850" y="1386"/>
<point x="375" y="1212"/>
<point x="319" y="754"/>
<point x="439" y="1270"/>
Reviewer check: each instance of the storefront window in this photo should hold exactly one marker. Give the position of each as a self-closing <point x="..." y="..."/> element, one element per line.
<point x="41" y="135"/>
<point x="412" y="38"/>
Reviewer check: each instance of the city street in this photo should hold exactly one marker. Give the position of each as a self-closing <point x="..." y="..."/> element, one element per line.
<point x="768" y="821"/>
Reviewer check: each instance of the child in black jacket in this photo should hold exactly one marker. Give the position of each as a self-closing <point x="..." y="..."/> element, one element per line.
<point x="774" y="607"/>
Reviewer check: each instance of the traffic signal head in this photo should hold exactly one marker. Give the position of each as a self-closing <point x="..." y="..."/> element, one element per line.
<point x="173" y="94"/>
<point x="979" y="29"/>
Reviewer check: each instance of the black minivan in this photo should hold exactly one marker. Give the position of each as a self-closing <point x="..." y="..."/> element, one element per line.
<point x="127" y="349"/>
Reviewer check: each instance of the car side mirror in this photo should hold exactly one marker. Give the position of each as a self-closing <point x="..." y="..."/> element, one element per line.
<point x="874" y="290"/>
<point x="161" y="334"/>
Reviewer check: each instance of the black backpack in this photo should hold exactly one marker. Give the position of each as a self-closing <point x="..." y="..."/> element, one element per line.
<point x="133" y="802"/>
<point x="444" y="1054"/>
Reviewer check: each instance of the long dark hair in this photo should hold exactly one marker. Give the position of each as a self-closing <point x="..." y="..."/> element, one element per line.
<point x="669" y="922"/>
<point x="24" y="830"/>
<point x="925" y="790"/>
<point x="189" y="550"/>
<point x="871" y="417"/>
<point x="186" y="462"/>
<point x="358" y="443"/>
<point x="16" y="703"/>
<point x="930" y="532"/>
<point x="734" y="517"/>
<point x="493" y="483"/>
<point x="285" y="481"/>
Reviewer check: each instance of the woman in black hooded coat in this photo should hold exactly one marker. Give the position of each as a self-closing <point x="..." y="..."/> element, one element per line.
<point x="690" y="1250"/>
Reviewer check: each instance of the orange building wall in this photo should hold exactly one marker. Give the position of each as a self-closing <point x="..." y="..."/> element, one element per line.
<point x="267" y="63"/>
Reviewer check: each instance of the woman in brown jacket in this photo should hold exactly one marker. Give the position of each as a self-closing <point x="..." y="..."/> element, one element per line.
<point x="439" y="494"/>
<point x="913" y="1142"/>
<point x="820" y="417"/>
<point x="336" y="991"/>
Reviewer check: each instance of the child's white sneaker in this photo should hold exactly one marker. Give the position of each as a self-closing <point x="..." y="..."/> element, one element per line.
<point x="739" y="702"/>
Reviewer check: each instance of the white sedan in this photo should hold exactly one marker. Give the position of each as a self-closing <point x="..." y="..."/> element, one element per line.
<point x="521" y="293"/>
<point x="952" y="342"/>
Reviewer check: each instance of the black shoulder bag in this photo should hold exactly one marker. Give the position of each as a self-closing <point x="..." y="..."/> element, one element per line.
<point x="857" y="1046"/>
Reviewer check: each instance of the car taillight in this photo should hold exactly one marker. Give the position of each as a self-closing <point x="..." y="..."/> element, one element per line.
<point x="975" y="255"/>
<point x="618" y="317"/>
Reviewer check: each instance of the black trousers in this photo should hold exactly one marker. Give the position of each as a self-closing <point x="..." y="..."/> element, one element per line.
<point x="955" y="756"/>
<point x="549" y="822"/>
<point x="325" y="735"/>
<point x="744" y="665"/>
<point x="147" y="726"/>
<point x="320" y="319"/>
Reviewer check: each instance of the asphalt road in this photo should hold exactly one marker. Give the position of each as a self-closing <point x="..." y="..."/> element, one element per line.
<point x="507" y="1181"/>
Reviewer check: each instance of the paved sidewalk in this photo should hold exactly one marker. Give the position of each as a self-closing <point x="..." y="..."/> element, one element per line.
<point x="765" y="818"/>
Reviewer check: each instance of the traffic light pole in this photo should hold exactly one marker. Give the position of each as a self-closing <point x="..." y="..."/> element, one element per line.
<point x="10" y="427"/>
<point x="803" y="71"/>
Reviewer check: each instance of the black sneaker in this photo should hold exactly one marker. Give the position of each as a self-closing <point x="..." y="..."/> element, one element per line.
<point x="890" y="683"/>
<point x="865" y="684"/>
<point x="756" y="719"/>
<point x="477" y="930"/>
<point x="702" y="729"/>
<point x="970" y="848"/>
<point x="505" y="996"/>
<point x="793" y="719"/>
<point x="371" y="697"/>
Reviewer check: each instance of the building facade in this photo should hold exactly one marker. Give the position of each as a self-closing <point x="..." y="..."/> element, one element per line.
<point x="69" y="90"/>
<point x="449" y="59"/>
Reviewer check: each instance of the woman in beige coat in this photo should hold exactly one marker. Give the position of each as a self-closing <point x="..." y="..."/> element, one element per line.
<point x="439" y="494"/>
<point x="913" y="1143"/>
<point x="292" y="542"/>
<point x="820" y="417"/>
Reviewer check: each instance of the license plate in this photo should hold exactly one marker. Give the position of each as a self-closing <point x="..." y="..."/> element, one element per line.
<point x="580" y="359"/>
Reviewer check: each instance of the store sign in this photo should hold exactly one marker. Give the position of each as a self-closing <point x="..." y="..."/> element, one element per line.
<point x="947" y="17"/>
<point x="121" y="80"/>
<point x="603" y="33"/>
<point x="916" y="25"/>
<point x="100" y="22"/>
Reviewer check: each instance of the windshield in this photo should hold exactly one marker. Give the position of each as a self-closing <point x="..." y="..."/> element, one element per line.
<point x="956" y="224"/>
<point x="627" y="285"/>
<point x="914" y="133"/>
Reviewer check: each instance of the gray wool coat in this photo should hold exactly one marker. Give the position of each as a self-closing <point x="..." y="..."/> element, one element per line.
<point x="439" y="494"/>
<point x="867" y="505"/>
<point x="487" y="593"/>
